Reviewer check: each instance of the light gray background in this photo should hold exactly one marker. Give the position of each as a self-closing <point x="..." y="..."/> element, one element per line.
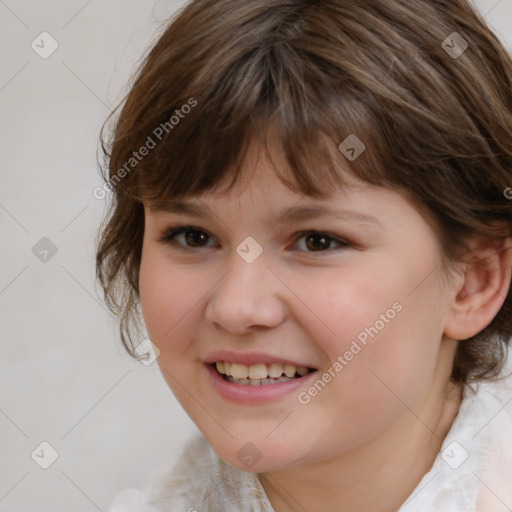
<point x="64" y="376"/>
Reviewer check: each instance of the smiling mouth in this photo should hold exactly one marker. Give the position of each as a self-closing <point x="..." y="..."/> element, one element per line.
<point x="259" y="374"/>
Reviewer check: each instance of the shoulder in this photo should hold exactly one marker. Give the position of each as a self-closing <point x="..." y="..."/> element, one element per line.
<point x="128" y="500"/>
<point x="178" y="480"/>
<point x="495" y="487"/>
<point x="198" y="480"/>
<point x="472" y="469"/>
<point x="172" y="478"/>
<point x="202" y="481"/>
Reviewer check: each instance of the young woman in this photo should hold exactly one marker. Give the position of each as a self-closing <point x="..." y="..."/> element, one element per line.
<point x="310" y="208"/>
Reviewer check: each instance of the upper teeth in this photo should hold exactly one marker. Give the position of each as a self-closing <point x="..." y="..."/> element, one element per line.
<point x="259" y="371"/>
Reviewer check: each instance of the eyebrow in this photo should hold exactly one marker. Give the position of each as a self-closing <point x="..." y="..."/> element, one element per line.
<point x="286" y="215"/>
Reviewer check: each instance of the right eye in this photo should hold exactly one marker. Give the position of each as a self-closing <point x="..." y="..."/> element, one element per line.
<point x="186" y="236"/>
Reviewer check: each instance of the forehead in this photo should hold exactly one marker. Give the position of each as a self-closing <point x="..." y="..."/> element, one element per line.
<point x="272" y="203"/>
<point x="266" y="179"/>
<point x="298" y="212"/>
<point x="265" y="170"/>
<point x="260" y="192"/>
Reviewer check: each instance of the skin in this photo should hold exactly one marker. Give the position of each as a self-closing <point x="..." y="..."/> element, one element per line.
<point x="365" y="441"/>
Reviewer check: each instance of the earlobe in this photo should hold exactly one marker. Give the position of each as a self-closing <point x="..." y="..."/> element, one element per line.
<point x="483" y="291"/>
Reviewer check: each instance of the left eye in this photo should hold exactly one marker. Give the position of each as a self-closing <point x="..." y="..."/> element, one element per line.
<point x="319" y="242"/>
<point x="314" y="241"/>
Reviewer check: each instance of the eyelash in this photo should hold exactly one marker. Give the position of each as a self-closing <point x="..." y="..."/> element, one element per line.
<point x="169" y="238"/>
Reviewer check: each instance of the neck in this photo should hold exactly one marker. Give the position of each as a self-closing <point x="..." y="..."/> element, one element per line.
<point x="380" y="475"/>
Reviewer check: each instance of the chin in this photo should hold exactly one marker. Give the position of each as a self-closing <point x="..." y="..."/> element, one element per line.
<point x="256" y="457"/>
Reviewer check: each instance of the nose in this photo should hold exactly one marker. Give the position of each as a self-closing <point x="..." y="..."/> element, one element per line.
<point x="247" y="298"/>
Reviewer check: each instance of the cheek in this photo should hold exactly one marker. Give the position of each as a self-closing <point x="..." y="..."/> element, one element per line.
<point x="169" y="296"/>
<point x="352" y="303"/>
<point x="386" y="330"/>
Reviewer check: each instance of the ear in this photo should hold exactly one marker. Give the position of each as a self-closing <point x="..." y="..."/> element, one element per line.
<point x="482" y="290"/>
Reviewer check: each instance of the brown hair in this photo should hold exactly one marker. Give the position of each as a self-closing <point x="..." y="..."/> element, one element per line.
<point x="436" y="122"/>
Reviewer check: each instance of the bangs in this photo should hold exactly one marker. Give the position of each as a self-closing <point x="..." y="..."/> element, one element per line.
<point x="313" y="166"/>
<point x="273" y="92"/>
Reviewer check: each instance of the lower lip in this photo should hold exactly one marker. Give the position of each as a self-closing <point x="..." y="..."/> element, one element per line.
<point x="247" y="394"/>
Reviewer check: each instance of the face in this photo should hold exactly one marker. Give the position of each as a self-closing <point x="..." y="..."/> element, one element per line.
<point x="347" y="306"/>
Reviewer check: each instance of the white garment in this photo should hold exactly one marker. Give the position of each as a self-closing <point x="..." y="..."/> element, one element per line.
<point x="472" y="472"/>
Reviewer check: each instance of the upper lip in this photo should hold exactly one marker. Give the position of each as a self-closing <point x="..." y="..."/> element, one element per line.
<point x="250" y="358"/>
